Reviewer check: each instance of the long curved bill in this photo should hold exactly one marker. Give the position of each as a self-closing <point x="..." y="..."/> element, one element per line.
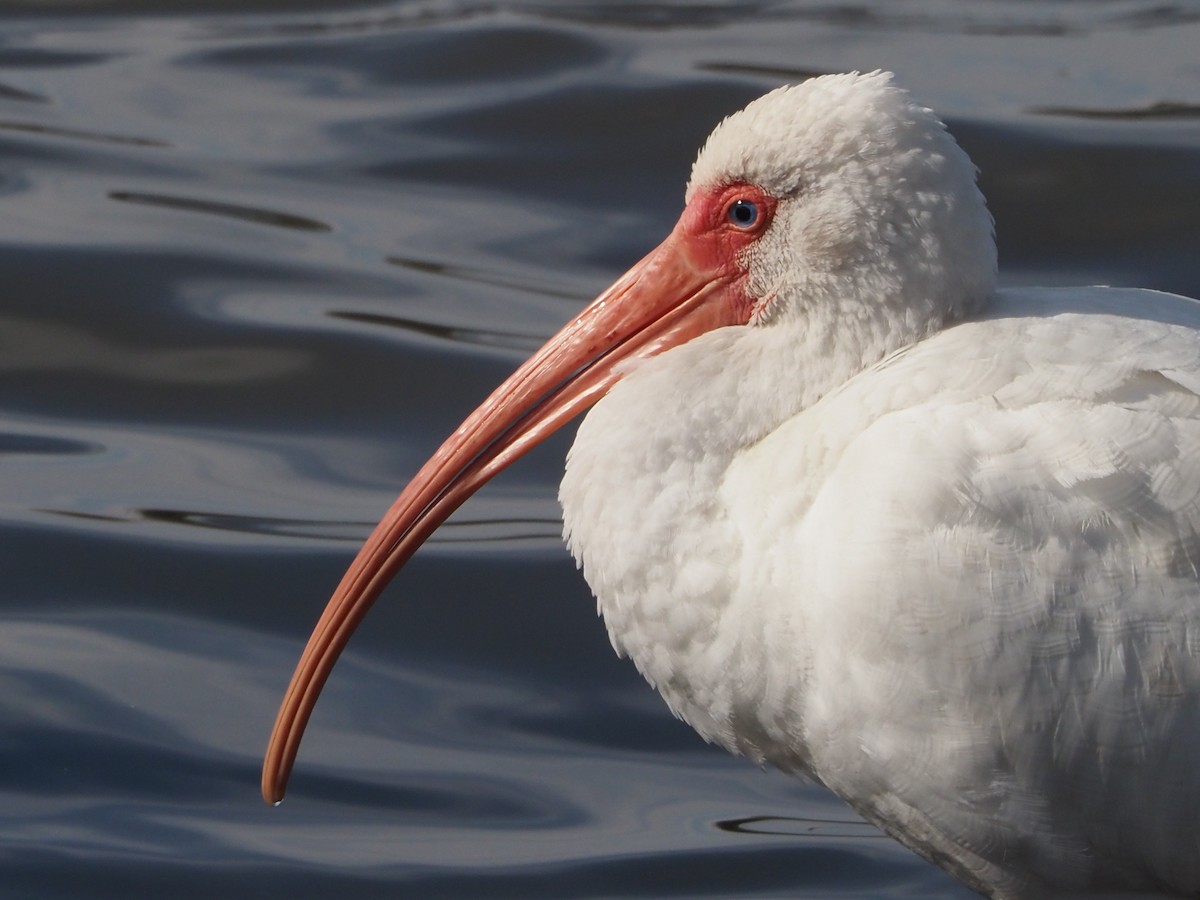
<point x="671" y="296"/>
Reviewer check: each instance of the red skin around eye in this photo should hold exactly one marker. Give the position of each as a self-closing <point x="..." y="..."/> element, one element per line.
<point x="717" y="243"/>
<point x="706" y="220"/>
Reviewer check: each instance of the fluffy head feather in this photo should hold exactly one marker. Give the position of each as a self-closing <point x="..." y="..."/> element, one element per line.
<point x="879" y="221"/>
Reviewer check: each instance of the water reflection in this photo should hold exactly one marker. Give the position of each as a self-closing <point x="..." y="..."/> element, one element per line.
<point x="72" y="133"/>
<point x="1163" y="109"/>
<point x="232" y="210"/>
<point x="148" y="702"/>
<point x="455" y="333"/>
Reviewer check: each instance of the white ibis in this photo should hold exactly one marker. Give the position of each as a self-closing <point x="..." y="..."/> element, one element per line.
<point x="857" y="513"/>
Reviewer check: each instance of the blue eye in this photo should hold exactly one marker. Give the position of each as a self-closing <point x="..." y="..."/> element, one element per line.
<point x="743" y="213"/>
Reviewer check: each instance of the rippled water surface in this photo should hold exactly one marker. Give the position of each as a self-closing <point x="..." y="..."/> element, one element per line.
<point x="257" y="262"/>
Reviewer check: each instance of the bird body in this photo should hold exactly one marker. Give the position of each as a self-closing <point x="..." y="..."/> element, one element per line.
<point x="959" y="590"/>
<point x="860" y="515"/>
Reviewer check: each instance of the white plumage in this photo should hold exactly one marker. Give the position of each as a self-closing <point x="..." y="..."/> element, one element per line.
<point x="933" y="544"/>
<point x="960" y="590"/>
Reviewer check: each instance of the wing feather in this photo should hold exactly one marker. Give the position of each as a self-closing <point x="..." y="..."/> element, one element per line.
<point x="1017" y="595"/>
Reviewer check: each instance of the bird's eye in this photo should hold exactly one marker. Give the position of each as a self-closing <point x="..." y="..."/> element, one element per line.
<point x="743" y="213"/>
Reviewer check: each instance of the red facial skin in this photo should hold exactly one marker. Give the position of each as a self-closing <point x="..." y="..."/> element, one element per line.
<point x="694" y="282"/>
<point x="718" y="243"/>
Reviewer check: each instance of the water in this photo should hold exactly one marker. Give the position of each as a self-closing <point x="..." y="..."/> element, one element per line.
<point x="257" y="262"/>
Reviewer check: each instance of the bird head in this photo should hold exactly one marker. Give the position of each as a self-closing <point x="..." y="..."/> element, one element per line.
<point x="875" y="216"/>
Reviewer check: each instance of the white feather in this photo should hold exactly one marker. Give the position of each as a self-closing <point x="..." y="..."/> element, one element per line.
<point x="948" y="568"/>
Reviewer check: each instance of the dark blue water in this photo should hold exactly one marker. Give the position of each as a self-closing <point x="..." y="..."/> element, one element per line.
<point x="255" y="263"/>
